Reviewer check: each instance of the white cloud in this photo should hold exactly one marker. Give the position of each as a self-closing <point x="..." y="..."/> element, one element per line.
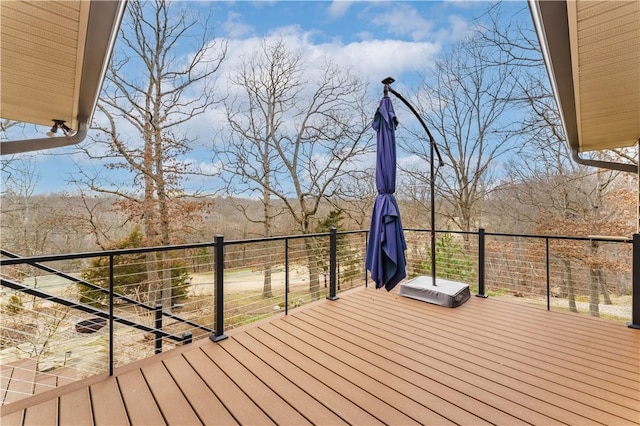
<point x="370" y="59"/>
<point x="365" y="35"/>
<point x="235" y="27"/>
<point x="338" y="8"/>
<point x="404" y="20"/>
<point x="458" y="30"/>
<point x="464" y="4"/>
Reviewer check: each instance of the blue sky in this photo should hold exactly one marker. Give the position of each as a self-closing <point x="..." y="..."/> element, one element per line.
<point x="375" y="39"/>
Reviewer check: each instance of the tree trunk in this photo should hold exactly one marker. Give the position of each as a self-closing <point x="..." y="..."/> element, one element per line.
<point x="312" y="262"/>
<point x="594" y="293"/>
<point x="594" y="284"/>
<point x="266" y="288"/>
<point x="603" y="286"/>
<point x="165" y="240"/>
<point x="570" y="290"/>
<point x="266" y="211"/>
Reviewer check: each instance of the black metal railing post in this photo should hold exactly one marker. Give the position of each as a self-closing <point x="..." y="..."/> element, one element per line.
<point x="218" y="334"/>
<point x="286" y="276"/>
<point x="366" y="250"/>
<point x="481" y="292"/>
<point x="333" y="259"/>
<point x="548" y="273"/>
<point x="158" y="327"/>
<point x="111" y="360"/>
<point x="635" y="284"/>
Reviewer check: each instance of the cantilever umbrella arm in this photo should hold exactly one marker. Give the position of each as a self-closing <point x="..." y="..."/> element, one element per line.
<point x="432" y="147"/>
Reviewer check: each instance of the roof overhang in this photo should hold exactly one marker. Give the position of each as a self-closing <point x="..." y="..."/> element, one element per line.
<point x="592" y="53"/>
<point x="53" y="59"/>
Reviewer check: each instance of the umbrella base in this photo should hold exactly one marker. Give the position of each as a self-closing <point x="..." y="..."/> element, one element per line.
<point x="445" y="293"/>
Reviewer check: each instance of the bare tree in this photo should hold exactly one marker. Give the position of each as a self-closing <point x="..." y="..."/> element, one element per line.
<point x="293" y="137"/>
<point x="25" y="229"/>
<point x="465" y="101"/>
<point x="542" y="186"/>
<point x="152" y="91"/>
<point x="356" y="199"/>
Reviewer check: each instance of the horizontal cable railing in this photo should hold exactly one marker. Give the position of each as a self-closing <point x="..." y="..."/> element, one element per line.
<point x="67" y="317"/>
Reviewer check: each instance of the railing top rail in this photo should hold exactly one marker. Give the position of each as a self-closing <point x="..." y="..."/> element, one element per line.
<point x="90" y="254"/>
<point x="276" y="238"/>
<point x="440" y="231"/>
<point x="119" y="252"/>
<point x="601" y="238"/>
<point x="566" y="237"/>
<point x="139" y="250"/>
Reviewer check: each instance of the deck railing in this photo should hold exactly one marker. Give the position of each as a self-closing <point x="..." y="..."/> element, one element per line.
<point x="87" y="313"/>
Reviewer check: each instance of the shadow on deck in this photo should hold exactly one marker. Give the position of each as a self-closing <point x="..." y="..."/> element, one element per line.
<point x="373" y="357"/>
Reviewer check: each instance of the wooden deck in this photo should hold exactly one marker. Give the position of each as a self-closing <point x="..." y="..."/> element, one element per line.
<point x="373" y="358"/>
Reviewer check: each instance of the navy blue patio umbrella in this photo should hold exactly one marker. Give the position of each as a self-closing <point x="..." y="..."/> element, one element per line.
<point x="385" y="251"/>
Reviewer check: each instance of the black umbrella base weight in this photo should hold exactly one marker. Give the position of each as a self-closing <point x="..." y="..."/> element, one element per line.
<point x="446" y="293"/>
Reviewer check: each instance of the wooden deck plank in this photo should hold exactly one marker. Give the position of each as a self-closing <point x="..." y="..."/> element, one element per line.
<point x="241" y="407"/>
<point x="313" y="410"/>
<point x="534" y="387"/>
<point x="529" y="356"/>
<point x="388" y="388"/>
<point x="593" y="336"/>
<point x="45" y="413"/>
<point x="276" y="408"/>
<point x="424" y="392"/>
<point x="22" y="380"/>
<point x="107" y="404"/>
<point x="204" y="402"/>
<point x="174" y="406"/>
<point x="545" y="374"/>
<point x="441" y="391"/>
<point x="521" y="339"/>
<point x="310" y="381"/>
<point x="75" y="408"/>
<point x="578" y="403"/>
<point x="518" y="323"/>
<point x="343" y="385"/>
<point x="597" y="330"/>
<point x="463" y="374"/>
<point x="535" y="326"/>
<point x="138" y="400"/>
<point x="14" y="419"/>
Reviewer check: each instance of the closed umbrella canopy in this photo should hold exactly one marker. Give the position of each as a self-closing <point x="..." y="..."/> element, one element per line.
<point x="385" y="251"/>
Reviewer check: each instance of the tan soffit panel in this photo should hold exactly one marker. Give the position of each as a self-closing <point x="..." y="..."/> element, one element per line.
<point x="605" y="55"/>
<point x="41" y="55"/>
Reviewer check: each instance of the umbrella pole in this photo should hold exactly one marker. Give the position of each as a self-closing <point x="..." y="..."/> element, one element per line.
<point x="432" y="149"/>
<point x="433" y="213"/>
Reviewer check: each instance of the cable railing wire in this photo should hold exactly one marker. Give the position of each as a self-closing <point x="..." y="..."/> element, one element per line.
<point x="266" y="276"/>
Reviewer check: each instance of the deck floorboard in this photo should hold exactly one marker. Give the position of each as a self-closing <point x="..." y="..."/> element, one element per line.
<point x="204" y="402"/>
<point x="301" y="401"/>
<point x="141" y="407"/>
<point x="234" y="399"/>
<point x="75" y="408"/>
<point x="107" y="403"/>
<point x="260" y="393"/>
